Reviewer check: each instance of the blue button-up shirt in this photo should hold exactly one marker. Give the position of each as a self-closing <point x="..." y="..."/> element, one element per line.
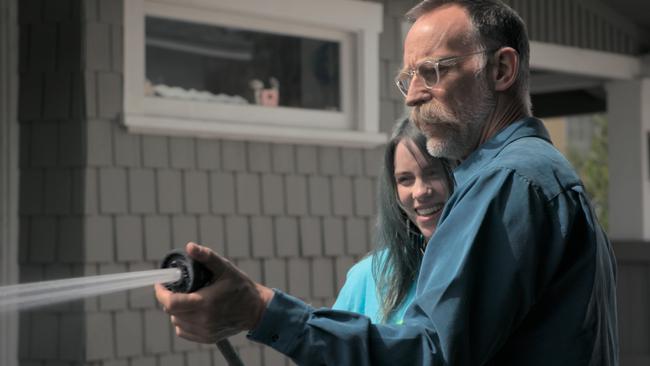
<point x="518" y="272"/>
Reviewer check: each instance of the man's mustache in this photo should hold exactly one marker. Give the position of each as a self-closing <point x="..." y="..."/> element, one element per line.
<point x="430" y="113"/>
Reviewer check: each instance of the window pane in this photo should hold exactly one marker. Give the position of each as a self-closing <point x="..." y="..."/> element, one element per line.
<point x="228" y="65"/>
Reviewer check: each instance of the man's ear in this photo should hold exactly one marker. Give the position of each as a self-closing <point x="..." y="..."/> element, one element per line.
<point x="505" y="68"/>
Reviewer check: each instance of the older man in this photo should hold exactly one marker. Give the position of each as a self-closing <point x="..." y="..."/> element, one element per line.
<point x="519" y="272"/>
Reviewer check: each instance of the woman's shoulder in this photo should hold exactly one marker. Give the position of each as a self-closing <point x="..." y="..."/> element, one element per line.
<point x="358" y="293"/>
<point x="362" y="268"/>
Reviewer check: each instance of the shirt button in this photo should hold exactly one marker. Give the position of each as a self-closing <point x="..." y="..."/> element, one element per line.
<point x="274" y="338"/>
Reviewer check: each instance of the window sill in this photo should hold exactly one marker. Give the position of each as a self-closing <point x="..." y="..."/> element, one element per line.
<point x="251" y="132"/>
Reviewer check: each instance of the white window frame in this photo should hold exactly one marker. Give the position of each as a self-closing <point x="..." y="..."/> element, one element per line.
<point x="353" y="24"/>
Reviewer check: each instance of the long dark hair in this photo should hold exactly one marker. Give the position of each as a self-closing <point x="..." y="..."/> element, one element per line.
<point x="400" y="244"/>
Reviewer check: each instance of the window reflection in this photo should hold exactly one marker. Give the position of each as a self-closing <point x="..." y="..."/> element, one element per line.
<point x="210" y="63"/>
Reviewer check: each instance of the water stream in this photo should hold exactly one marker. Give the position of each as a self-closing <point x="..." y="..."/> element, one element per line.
<point x="37" y="294"/>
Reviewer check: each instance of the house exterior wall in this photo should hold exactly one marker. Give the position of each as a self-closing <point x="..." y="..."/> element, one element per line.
<point x="52" y="165"/>
<point x="97" y="200"/>
<point x="8" y="172"/>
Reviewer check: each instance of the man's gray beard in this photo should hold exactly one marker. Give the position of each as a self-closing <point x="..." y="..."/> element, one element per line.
<point x="454" y="140"/>
<point x="453" y="147"/>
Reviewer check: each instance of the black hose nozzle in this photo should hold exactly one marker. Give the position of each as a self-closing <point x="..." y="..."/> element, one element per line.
<point x="194" y="276"/>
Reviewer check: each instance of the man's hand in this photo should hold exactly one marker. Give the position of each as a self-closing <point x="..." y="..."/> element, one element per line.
<point x="231" y="304"/>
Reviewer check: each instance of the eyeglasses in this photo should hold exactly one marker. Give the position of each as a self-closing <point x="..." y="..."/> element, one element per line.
<point x="429" y="71"/>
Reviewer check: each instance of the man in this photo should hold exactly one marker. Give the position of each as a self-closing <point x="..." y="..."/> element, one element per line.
<point x="519" y="272"/>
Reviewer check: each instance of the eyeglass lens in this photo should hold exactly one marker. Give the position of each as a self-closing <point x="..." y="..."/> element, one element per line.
<point x="427" y="71"/>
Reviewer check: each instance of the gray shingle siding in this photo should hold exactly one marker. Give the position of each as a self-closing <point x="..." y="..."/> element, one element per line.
<point x="97" y="199"/>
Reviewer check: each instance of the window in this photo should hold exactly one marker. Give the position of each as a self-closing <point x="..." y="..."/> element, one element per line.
<point x="303" y="72"/>
<point x="231" y="65"/>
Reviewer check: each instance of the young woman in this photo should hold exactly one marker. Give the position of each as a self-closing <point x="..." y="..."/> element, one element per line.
<point x="413" y="189"/>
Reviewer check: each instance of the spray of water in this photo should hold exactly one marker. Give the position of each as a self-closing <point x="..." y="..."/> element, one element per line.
<point x="37" y="294"/>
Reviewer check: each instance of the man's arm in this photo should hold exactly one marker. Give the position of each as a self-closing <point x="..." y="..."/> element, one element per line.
<point x="490" y="258"/>
<point x="481" y="273"/>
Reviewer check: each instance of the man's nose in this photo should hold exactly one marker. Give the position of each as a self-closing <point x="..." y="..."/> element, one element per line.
<point x="417" y="93"/>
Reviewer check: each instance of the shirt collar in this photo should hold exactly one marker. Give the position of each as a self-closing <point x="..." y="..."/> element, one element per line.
<point x="527" y="127"/>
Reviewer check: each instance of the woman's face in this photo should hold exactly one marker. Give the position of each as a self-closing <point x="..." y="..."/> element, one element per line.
<point x="421" y="187"/>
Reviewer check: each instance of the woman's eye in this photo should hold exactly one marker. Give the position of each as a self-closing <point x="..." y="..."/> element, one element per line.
<point x="402" y="180"/>
<point x="434" y="173"/>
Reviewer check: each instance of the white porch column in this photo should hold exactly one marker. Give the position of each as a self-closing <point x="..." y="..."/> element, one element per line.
<point x="628" y="104"/>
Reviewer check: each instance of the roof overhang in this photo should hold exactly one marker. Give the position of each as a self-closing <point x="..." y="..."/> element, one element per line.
<point x="590" y="63"/>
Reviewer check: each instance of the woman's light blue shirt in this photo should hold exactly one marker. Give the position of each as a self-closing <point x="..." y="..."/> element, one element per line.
<point x="359" y="294"/>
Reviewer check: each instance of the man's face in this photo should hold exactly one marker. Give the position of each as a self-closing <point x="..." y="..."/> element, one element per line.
<point x="452" y="112"/>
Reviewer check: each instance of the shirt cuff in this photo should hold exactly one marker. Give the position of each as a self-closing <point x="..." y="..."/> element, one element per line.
<point x="283" y="323"/>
